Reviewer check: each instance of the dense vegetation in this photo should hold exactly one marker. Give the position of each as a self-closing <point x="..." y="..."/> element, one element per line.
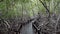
<point x="15" y="8"/>
<point x="44" y="13"/>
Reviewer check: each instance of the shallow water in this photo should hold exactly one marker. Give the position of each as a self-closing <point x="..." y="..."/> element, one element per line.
<point x="27" y="29"/>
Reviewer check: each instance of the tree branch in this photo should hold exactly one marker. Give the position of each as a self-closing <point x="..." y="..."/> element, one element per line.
<point x="7" y="24"/>
<point x="46" y="9"/>
<point x="44" y="5"/>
